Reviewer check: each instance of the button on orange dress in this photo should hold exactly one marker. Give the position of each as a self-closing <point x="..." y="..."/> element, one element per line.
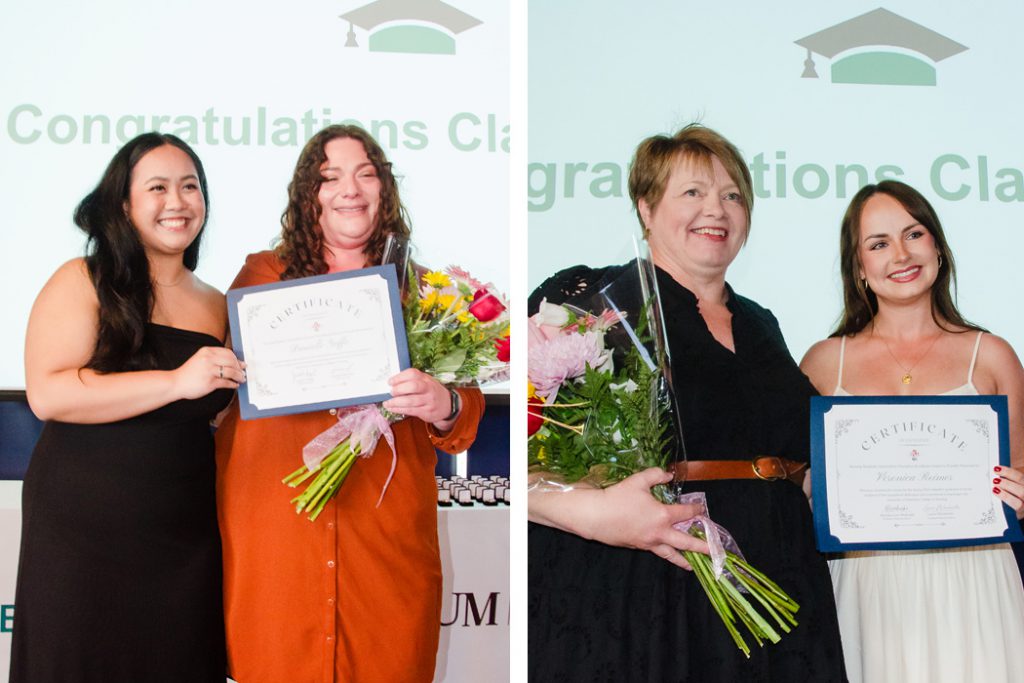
<point x="353" y="596"/>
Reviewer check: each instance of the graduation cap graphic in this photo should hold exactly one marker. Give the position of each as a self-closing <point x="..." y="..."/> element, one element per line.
<point x="414" y="26"/>
<point x="866" y="38"/>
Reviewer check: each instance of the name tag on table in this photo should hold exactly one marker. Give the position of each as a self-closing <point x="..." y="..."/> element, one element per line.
<point x="318" y="342"/>
<point x="897" y="472"/>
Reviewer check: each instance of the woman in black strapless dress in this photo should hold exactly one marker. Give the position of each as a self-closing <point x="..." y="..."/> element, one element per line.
<point x="119" y="577"/>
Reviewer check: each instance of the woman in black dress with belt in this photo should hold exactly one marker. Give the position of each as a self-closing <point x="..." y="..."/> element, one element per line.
<point x="604" y="604"/>
<point x="119" y="577"/>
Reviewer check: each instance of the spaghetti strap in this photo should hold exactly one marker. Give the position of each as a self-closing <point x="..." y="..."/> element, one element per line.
<point x="974" y="359"/>
<point x="839" y="373"/>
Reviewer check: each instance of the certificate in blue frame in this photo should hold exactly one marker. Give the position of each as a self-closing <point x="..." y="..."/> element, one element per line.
<point x="829" y="542"/>
<point x="249" y="410"/>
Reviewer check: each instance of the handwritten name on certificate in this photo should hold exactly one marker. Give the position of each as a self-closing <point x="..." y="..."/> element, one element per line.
<point x="319" y="342"/>
<point x="908" y="472"/>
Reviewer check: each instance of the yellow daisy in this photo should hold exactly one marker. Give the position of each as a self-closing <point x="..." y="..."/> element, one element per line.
<point x="437" y="279"/>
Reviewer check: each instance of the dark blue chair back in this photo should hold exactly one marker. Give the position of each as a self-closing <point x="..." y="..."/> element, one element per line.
<point x="19" y="431"/>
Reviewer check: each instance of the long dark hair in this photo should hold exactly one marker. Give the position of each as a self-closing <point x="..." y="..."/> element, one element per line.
<point x="301" y="244"/>
<point x="859" y="303"/>
<point x="117" y="262"/>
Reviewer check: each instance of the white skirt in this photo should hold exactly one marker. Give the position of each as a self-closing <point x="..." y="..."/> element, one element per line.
<point x="950" y="615"/>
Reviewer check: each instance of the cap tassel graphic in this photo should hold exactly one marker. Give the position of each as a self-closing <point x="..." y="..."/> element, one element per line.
<point x="862" y="50"/>
<point x="409" y="26"/>
<point x="809" y="71"/>
<point x="350" y="37"/>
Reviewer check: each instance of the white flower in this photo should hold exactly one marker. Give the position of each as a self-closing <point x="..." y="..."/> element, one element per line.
<point x="551" y="314"/>
<point x="629" y="386"/>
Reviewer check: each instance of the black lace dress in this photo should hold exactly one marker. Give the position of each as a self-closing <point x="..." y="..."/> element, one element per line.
<point x="600" y="613"/>
<point x="119" y="579"/>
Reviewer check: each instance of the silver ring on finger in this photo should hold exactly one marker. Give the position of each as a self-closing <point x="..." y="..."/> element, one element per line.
<point x="221" y="371"/>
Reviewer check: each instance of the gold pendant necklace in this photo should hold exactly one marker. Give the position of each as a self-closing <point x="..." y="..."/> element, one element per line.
<point x="907" y="378"/>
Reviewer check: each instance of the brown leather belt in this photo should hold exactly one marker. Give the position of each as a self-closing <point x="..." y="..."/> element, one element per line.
<point x="766" y="467"/>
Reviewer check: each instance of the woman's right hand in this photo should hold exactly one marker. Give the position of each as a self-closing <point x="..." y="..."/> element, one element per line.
<point x="624" y="515"/>
<point x="209" y="368"/>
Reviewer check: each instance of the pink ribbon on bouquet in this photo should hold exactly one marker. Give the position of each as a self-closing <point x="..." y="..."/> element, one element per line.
<point x="719" y="540"/>
<point x="364" y="425"/>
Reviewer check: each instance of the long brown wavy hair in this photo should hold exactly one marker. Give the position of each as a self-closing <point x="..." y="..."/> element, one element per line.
<point x="301" y="244"/>
<point x="859" y="303"/>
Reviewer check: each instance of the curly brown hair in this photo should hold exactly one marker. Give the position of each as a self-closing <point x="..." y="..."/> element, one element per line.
<point x="301" y="243"/>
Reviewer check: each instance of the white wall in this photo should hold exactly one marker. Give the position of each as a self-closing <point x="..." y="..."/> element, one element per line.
<point x="603" y="77"/>
<point x="205" y="67"/>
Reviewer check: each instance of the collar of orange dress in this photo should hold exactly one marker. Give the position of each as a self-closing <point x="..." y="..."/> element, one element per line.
<point x="766" y="467"/>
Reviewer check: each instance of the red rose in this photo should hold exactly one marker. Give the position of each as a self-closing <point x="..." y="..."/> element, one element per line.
<point x="504" y="347"/>
<point x="534" y="421"/>
<point x="485" y="306"/>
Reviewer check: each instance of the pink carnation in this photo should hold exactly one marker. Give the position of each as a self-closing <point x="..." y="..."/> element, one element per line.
<point x="464" y="276"/>
<point x="564" y="357"/>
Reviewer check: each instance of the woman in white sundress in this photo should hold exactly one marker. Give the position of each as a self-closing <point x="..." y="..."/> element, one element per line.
<point x="943" y="615"/>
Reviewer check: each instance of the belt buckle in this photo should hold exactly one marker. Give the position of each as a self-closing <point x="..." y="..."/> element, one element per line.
<point x="768" y="477"/>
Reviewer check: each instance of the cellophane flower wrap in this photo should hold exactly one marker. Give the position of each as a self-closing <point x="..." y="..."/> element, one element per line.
<point x="458" y="332"/>
<point x="601" y="407"/>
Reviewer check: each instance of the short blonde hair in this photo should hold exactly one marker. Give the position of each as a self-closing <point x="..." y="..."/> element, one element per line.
<point x="656" y="156"/>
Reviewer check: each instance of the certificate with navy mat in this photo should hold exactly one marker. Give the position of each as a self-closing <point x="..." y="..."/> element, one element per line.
<point x="319" y="342"/>
<point x="908" y="472"/>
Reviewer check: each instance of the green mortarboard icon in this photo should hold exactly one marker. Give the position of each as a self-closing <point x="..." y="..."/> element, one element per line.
<point x="879" y="28"/>
<point x="409" y="37"/>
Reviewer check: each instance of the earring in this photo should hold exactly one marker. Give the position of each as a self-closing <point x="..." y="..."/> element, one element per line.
<point x="940" y="261"/>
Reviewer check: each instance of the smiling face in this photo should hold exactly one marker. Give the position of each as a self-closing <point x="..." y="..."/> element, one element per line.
<point x="349" y="195"/>
<point x="898" y="256"/>
<point x="165" y="201"/>
<point x="701" y="221"/>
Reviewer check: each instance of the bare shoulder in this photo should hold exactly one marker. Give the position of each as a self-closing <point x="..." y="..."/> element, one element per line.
<point x="71" y="273"/>
<point x="70" y="284"/>
<point x="214" y="304"/>
<point x="821" y="363"/>
<point x="997" y="354"/>
<point x="62" y="326"/>
<point x="209" y="293"/>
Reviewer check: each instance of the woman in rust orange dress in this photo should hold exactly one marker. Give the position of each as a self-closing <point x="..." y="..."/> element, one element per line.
<point x="355" y="595"/>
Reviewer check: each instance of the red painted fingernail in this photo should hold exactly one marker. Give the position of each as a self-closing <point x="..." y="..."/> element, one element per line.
<point x="996" y="480"/>
<point x="997" y="468"/>
<point x="995" y="490"/>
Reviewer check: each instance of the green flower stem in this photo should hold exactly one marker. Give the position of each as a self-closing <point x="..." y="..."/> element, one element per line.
<point x="329" y="476"/>
<point x="323" y="474"/>
<point x="747" y="622"/>
<point x="790" y="604"/>
<point x="746" y="608"/>
<point x="700" y="567"/>
<point x="730" y="604"/>
<point x="298" y="476"/>
<point x="785" y="607"/>
<point x="765" y="601"/>
<point x="333" y="487"/>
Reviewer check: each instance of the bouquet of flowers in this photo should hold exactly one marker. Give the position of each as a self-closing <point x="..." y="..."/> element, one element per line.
<point x="601" y="409"/>
<point x="458" y="332"/>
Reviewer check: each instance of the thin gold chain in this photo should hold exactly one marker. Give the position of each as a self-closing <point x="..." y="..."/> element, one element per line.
<point x="907" y="377"/>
